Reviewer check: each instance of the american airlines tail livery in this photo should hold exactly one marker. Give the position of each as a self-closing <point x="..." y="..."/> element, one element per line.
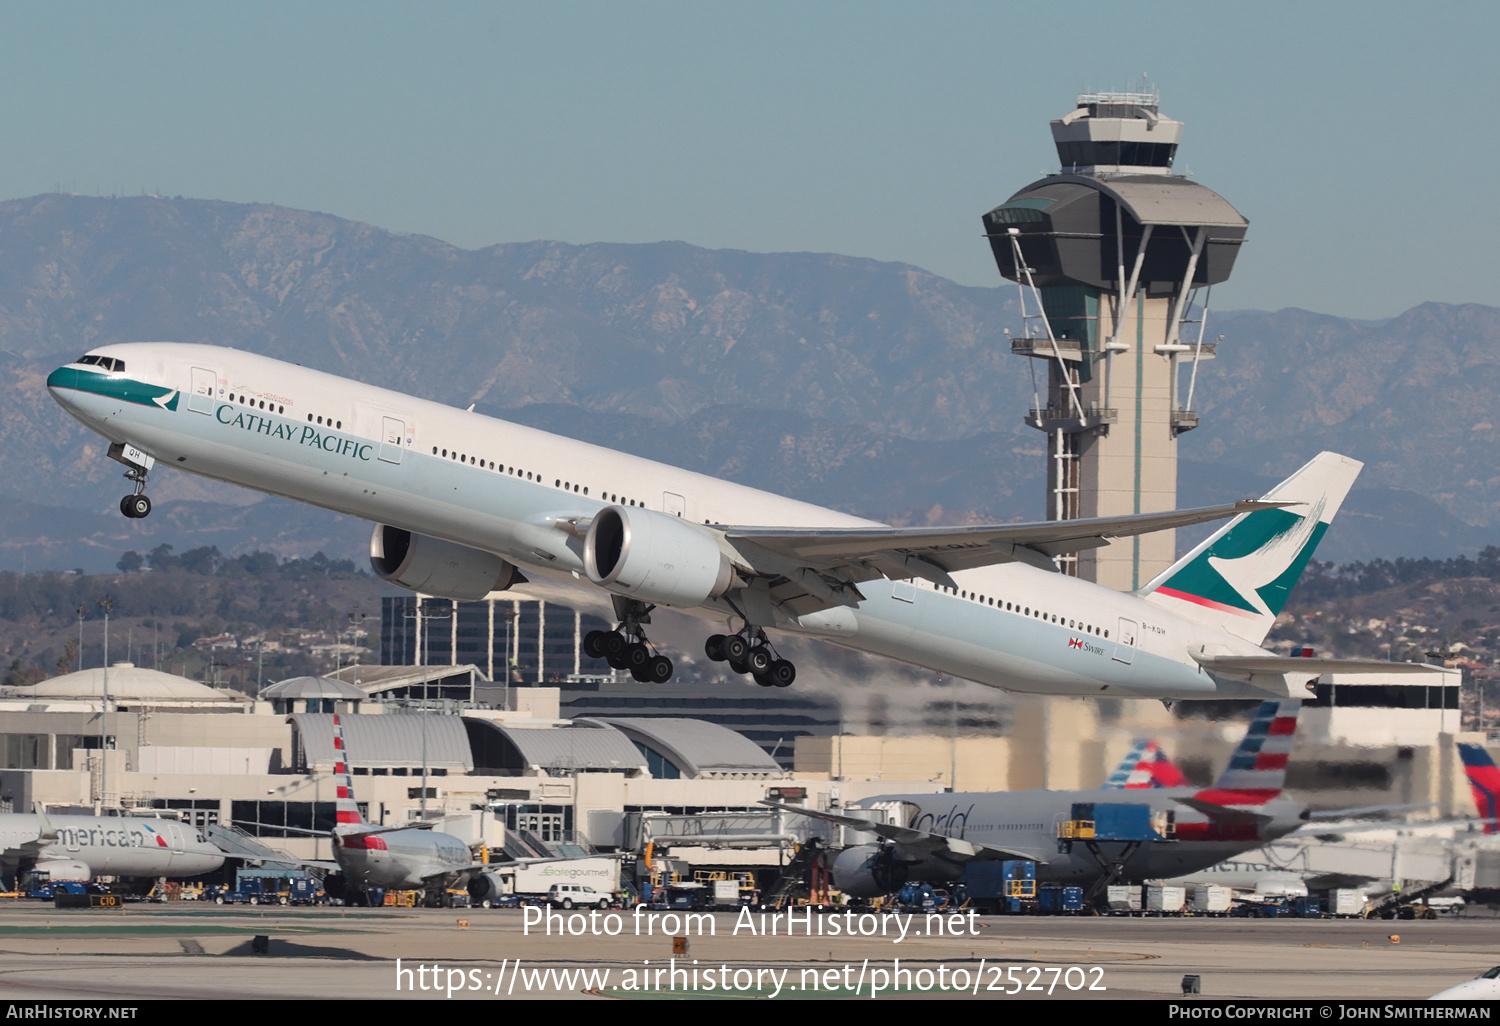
<point x="464" y="505"/>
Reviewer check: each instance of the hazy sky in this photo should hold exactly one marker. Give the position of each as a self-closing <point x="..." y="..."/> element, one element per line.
<point x="1359" y="139"/>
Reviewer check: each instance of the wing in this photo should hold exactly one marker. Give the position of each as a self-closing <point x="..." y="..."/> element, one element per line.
<point x="917" y="843"/>
<point x="827" y="564"/>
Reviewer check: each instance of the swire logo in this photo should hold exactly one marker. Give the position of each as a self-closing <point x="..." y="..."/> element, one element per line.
<point x="1075" y="642"/>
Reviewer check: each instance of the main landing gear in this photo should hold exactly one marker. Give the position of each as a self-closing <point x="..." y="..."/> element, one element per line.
<point x="750" y="652"/>
<point x="627" y="649"/>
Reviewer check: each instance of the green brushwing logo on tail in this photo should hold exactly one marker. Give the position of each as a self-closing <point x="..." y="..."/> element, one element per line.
<point x="1246" y="560"/>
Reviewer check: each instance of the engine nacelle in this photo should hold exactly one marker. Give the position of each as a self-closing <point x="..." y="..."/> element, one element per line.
<point x="656" y="558"/>
<point x="65" y="870"/>
<point x="485" y="887"/>
<point x="868" y="871"/>
<point x="434" y="567"/>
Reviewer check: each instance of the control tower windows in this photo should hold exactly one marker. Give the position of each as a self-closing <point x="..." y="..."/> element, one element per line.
<point x="1116" y="153"/>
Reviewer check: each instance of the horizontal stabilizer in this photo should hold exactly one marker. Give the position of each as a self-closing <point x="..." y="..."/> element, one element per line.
<point x="1297" y="664"/>
<point x="1368" y="811"/>
<point x="1223" y="813"/>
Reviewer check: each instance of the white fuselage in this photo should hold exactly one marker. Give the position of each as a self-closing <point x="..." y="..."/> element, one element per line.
<point x="400" y="859"/>
<point x="1027" y="822"/>
<point x="516" y="492"/>
<point x="111" y="845"/>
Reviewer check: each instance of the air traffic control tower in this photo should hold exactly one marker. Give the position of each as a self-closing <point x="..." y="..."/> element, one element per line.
<point x="1114" y="256"/>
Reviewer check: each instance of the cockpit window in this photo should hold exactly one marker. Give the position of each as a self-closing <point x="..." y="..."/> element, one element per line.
<point x="109" y="363"/>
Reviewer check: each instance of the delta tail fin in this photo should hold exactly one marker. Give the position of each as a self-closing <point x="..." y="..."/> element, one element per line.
<point x="1484" y="781"/>
<point x="1145" y="766"/>
<point x="1238" y="580"/>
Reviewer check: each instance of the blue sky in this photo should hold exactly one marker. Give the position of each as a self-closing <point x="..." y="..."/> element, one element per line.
<point x="1359" y="139"/>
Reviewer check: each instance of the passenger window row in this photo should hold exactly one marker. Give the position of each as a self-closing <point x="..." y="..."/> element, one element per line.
<point x="330" y="422"/>
<point x="1010" y="607"/>
<point x="257" y="404"/>
<point x="501" y="468"/>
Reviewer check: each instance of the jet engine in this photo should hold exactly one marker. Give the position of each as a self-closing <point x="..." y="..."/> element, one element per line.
<point x="435" y="567"/>
<point x="484" y="889"/>
<point x="59" y="870"/>
<point x="868" y="871"/>
<point x="656" y="558"/>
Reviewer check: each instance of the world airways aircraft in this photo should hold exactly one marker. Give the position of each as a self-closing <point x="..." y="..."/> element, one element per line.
<point x="464" y="503"/>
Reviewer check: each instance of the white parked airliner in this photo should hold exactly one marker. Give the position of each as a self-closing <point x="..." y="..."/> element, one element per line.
<point x="68" y="847"/>
<point x="463" y="503"/>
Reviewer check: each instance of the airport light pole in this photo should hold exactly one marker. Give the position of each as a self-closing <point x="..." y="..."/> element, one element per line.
<point x="423" y="641"/>
<point x="82" y="612"/>
<point x="106" y="604"/>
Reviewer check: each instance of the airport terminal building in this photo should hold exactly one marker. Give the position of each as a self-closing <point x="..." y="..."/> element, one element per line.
<point x="519" y="777"/>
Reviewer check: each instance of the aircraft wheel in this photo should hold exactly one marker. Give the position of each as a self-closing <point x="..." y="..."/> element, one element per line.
<point x="759" y="660"/>
<point x="637" y="656"/>
<point x="593" y="644"/>
<point x="614" y="645"/>
<point x="135" y="506"/>
<point x="641" y="674"/>
<point x="735" y="649"/>
<point x="714" y="647"/>
<point x="783" y="673"/>
<point x="660" y="668"/>
<point x="738" y="667"/>
<point x="763" y="680"/>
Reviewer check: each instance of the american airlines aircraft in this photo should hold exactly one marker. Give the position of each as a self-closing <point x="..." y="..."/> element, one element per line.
<point x="462" y="503"/>
<point x="83" y="847"/>
<point x="396" y="858"/>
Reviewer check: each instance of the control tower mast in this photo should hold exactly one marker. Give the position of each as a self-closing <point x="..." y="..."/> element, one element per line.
<point x="1111" y="254"/>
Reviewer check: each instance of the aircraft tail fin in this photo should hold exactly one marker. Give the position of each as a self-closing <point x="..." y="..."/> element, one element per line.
<point x="1484" y="781"/>
<point x="1239" y="578"/>
<point x="1145" y="766"/>
<point x="1257" y="771"/>
<point x="346" y="809"/>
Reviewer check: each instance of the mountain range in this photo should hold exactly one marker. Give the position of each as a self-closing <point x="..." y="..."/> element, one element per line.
<point x="873" y="387"/>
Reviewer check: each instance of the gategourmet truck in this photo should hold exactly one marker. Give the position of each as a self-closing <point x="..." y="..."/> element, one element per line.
<point x="531" y="881"/>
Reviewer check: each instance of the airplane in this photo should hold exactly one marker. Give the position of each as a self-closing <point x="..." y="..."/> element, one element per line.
<point x="1145" y="766"/>
<point x="1482" y="988"/>
<point x="1376" y="859"/>
<point x="463" y="504"/>
<point x="1190" y="828"/>
<point x="81" y="848"/>
<point x="395" y="858"/>
<point x="1484" y="782"/>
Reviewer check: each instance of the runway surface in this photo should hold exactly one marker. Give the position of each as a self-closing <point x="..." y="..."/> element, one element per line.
<point x="188" y="951"/>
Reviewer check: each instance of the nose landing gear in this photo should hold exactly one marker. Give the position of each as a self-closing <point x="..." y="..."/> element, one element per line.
<point x="137" y="465"/>
<point x="749" y="652"/>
